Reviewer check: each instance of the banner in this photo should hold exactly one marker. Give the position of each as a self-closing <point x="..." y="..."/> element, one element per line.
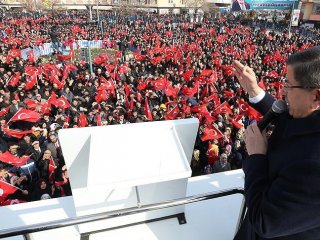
<point x="47" y="48"/>
<point x="295" y="17"/>
<point x="242" y="5"/>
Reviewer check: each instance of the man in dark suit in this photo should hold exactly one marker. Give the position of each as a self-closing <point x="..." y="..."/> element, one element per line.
<point x="282" y="174"/>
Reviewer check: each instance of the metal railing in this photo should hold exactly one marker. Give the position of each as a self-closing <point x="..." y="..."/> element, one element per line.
<point x="10" y="232"/>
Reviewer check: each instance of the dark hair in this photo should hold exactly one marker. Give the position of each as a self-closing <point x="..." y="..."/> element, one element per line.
<point x="306" y="67"/>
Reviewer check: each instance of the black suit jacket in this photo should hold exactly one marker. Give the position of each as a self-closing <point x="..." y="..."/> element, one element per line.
<point x="282" y="188"/>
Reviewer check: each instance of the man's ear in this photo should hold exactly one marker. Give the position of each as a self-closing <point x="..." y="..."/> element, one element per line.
<point x="317" y="98"/>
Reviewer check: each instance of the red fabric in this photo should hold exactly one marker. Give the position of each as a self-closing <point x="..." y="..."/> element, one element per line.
<point x="190" y="91"/>
<point x="173" y="113"/>
<point x="206" y="72"/>
<point x="31" y="81"/>
<point x="5" y="190"/>
<point x="160" y="84"/>
<point x="25" y="115"/>
<point x="83" y="122"/>
<point x="211" y="134"/>
<point x="98" y="118"/>
<point x="147" y="110"/>
<point x="16" y="133"/>
<point x="61" y="102"/>
<point x="31" y="56"/>
<point x="223" y="108"/>
<point x="13" y="81"/>
<point x="187" y="75"/>
<point x="4" y="111"/>
<point x="7" y="157"/>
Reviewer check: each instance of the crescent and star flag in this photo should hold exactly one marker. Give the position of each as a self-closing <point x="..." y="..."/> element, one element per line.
<point x="25" y="115"/>
<point x="223" y="108"/>
<point x="173" y="113"/>
<point x="187" y="75"/>
<point x="7" y="157"/>
<point x="13" y="81"/>
<point x="16" y="133"/>
<point x="61" y="102"/>
<point x="4" y="111"/>
<point x="211" y="134"/>
<point x="83" y="122"/>
<point x="6" y="189"/>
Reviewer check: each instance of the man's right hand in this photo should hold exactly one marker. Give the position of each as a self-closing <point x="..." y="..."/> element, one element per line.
<point x="247" y="79"/>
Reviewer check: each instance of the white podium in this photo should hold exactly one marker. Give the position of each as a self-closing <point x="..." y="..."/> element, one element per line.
<point x="124" y="166"/>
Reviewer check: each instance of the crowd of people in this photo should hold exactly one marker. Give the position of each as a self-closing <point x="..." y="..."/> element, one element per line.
<point x="163" y="68"/>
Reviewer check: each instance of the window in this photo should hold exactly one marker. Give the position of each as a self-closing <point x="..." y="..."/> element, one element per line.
<point x="316" y="9"/>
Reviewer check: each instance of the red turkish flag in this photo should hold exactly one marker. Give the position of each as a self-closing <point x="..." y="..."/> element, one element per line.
<point x="76" y="29"/>
<point x="31" y="81"/>
<point x="31" y="56"/>
<point x="273" y="74"/>
<point x="83" y="122"/>
<point x="243" y="106"/>
<point x="6" y="189"/>
<point x="187" y="75"/>
<point x="173" y="113"/>
<point x="61" y="102"/>
<point x="7" y="157"/>
<point x="16" y="133"/>
<point x="190" y="91"/>
<point x="13" y="81"/>
<point x="139" y="57"/>
<point x="25" y="115"/>
<point x="13" y="53"/>
<point x="213" y="78"/>
<point x="261" y="84"/>
<point x="211" y="134"/>
<point x="206" y="72"/>
<point x="142" y="85"/>
<point x="160" y="84"/>
<point x="127" y="89"/>
<point x="51" y="169"/>
<point x="123" y="69"/>
<point x="229" y="94"/>
<point x="223" y="108"/>
<point x="156" y="60"/>
<point x="236" y="122"/>
<point x="31" y="104"/>
<point x="147" y="110"/>
<point x="171" y="91"/>
<point x="4" y="111"/>
<point x="254" y="114"/>
<point x="278" y="86"/>
<point x="199" y="108"/>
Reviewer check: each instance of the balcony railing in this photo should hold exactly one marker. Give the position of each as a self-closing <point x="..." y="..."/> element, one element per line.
<point x="118" y="213"/>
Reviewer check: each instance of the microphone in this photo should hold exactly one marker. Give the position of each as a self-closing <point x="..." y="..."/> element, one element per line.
<point x="277" y="108"/>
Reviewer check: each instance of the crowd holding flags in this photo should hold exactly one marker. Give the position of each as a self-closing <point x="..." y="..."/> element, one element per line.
<point x="155" y="72"/>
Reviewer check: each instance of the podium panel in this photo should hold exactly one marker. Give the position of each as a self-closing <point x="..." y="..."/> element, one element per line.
<point x="122" y="166"/>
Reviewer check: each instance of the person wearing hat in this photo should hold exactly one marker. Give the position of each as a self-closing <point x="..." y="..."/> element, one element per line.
<point x="222" y="165"/>
<point x="36" y="150"/>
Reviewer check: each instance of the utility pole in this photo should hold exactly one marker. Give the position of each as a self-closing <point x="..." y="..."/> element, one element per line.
<point x="291" y="18"/>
